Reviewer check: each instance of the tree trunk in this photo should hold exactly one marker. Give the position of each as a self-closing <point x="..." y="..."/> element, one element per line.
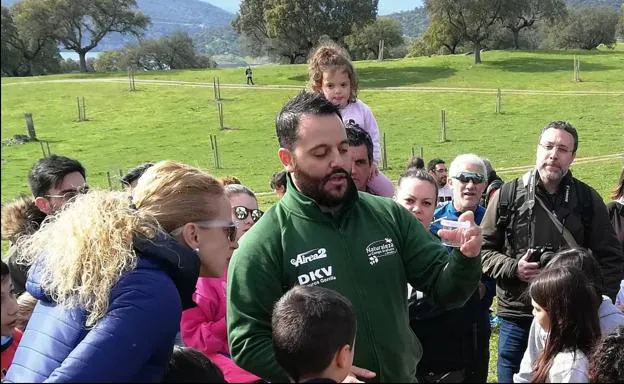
<point x="83" y="61"/>
<point x="29" y="67"/>
<point x="516" y="38"/>
<point x="477" y="53"/>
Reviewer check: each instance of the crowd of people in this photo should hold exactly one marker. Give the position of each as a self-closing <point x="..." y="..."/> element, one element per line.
<point x="182" y="277"/>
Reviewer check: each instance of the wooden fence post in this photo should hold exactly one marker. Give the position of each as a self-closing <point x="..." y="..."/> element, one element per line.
<point x="30" y="126"/>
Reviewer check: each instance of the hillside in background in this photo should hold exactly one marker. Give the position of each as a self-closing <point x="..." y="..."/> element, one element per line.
<point x="585" y="3"/>
<point x="207" y="24"/>
<point x="414" y="23"/>
<point x="210" y="26"/>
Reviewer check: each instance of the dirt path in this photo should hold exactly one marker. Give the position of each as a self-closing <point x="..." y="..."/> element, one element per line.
<point x="296" y="87"/>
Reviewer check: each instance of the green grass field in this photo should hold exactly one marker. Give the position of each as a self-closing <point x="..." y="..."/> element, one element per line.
<point x="174" y="120"/>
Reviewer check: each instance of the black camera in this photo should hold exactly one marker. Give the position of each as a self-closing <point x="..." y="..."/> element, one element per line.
<point x="542" y="255"/>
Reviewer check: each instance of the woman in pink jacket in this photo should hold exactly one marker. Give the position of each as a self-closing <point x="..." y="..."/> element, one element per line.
<point x="204" y="327"/>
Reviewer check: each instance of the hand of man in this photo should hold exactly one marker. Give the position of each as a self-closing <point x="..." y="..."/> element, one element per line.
<point x="359" y="372"/>
<point x="527" y="270"/>
<point x="470" y="239"/>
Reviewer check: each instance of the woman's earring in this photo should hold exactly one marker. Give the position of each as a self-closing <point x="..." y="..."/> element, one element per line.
<point x="196" y="250"/>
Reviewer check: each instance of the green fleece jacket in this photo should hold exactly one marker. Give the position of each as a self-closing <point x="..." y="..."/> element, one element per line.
<point x="368" y="251"/>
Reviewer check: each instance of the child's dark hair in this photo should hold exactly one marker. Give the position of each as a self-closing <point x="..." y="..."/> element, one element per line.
<point x="5" y="271"/>
<point x="135" y="173"/>
<point x="328" y="57"/>
<point x="607" y="363"/>
<point x="50" y="171"/>
<point x="571" y="303"/>
<point x="278" y="180"/>
<point x="188" y="365"/>
<point x="310" y="324"/>
<point x="584" y="260"/>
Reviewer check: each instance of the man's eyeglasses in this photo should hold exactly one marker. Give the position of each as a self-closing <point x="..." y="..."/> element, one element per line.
<point x="549" y="147"/>
<point x="466" y="177"/>
<point x="228" y="226"/>
<point x="241" y="213"/>
<point x="69" y="194"/>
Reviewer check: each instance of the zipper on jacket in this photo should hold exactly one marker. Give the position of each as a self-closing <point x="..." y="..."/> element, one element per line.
<point x="361" y="298"/>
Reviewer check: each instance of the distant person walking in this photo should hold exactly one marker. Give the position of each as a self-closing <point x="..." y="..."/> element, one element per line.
<point x="249" y="75"/>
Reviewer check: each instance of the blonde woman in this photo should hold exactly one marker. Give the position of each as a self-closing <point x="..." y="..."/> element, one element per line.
<point x="112" y="277"/>
<point x="204" y="327"/>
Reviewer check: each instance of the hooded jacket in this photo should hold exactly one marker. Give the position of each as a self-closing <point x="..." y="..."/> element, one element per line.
<point x="609" y="316"/>
<point x="20" y="218"/>
<point x="132" y="342"/>
<point x="204" y="328"/>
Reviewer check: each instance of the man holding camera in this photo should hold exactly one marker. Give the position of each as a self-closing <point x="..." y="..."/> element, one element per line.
<point x="529" y="218"/>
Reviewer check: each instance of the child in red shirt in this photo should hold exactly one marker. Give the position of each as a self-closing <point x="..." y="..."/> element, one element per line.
<point x="10" y="335"/>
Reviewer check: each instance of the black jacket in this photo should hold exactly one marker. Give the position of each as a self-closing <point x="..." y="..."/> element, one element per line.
<point x="501" y="252"/>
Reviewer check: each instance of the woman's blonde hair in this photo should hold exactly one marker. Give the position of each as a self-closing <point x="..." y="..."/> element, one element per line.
<point x="86" y="248"/>
<point x="329" y="57"/>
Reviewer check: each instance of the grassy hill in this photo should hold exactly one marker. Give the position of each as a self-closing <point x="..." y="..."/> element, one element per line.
<point x="173" y="117"/>
<point x="174" y="121"/>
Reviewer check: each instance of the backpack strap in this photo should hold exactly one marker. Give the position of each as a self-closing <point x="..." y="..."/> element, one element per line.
<point x="494" y="185"/>
<point x="505" y="208"/>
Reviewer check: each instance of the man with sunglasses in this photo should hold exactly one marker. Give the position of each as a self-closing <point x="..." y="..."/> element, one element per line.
<point x="53" y="180"/>
<point x="324" y="232"/>
<point x="544" y="211"/>
<point x="457" y="341"/>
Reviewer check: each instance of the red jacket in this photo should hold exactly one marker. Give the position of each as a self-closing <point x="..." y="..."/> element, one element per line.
<point x="9" y="352"/>
<point x="204" y="328"/>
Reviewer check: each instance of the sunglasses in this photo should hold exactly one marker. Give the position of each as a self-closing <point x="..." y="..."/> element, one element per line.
<point x="466" y="177"/>
<point x="227" y="226"/>
<point x="241" y="213"/>
<point x="69" y="194"/>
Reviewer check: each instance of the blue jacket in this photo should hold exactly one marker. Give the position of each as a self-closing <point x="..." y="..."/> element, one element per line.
<point x="132" y="342"/>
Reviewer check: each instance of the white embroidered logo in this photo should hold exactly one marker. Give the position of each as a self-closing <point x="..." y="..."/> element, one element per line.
<point x="321" y="275"/>
<point x="308" y="256"/>
<point x="378" y="249"/>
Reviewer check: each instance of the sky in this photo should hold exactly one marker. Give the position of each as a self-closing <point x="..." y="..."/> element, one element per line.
<point x="385" y="6"/>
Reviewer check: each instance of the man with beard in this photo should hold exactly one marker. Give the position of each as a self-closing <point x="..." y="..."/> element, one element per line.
<point x="437" y="169"/>
<point x="324" y="232"/>
<point x="545" y="211"/>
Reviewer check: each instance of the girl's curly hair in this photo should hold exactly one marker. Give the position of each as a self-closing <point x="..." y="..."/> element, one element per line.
<point x="328" y="57"/>
<point x="607" y="361"/>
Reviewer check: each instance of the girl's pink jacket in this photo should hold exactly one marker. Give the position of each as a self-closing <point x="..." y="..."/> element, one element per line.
<point x="205" y="329"/>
